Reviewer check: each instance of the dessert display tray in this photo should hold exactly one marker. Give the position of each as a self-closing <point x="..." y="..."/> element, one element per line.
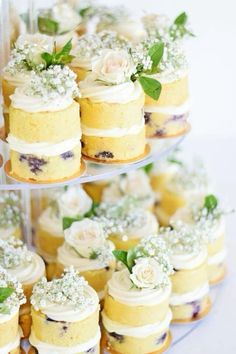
<point x="94" y="171"/>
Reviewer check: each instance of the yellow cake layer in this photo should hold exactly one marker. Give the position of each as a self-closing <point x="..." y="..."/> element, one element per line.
<point x="50" y="168"/>
<point x="25" y="321"/>
<point x="190" y="311"/>
<point x="51" y="270"/>
<point x="80" y="73"/>
<point x="48" y="243"/>
<point x="135" y="315"/>
<point x="95" y="190"/>
<point x="173" y="93"/>
<point x="7" y="90"/>
<point x="114" y="149"/>
<point x="138" y="345"/>
<point x="216" y="273"/>
<point x="171" y="201"/>
<point x="216" y="246"/>
<point x="9" y="330"/>
<point x="159" y="182"/>
<point x="64" y="333"/>
<point x="6" y="123"/>
<point x="162" y="217"/>
<point x="187" y="280"/>
<point x="104" y="115"/>
<point x="123" y="245"/>
<point x="50" y="127"/>
<point x="96" y="278"/>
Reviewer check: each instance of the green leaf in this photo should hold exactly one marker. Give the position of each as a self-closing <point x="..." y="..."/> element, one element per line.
<point x="150" y="86"/>
<point x="148" y="168"/>
<point x="83" y="12"/>
<point x="92" y="211"/>
<point x="5" y="293"/>
<point x="156" y="53"/>
<point x="121" y="256"/>
<point x="131" y="257"/>
<point x="181" y="20"/>
<point x="173" y="160"/>
<point x="210" y="202"/>
<point x="47" y="57"/>
<point x="65" y="50"/>
<point x="47" y="26"/>
<point x="62" y="57"/>
<point x="68" y="221"/>
<point x="93" y="255"/>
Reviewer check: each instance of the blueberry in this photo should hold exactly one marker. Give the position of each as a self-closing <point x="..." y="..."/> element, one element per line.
<point x="147" y="117"/>
<point x="82" y="144"/>
<point x="34" y="163"/>
<point x="176" y="270"/>
<point x="160" y="132"/>
<point x="65" y="328"/>
<point x="107" y="268"/>
<point x="196" y="308"/>
<point x="161" y="339"/>
<point x="48" y="319"/>
<point x="117" y="336"/>
<point x="91" y="350"/>
<point x="67" y="155"/>
<point x="105" y="154"/>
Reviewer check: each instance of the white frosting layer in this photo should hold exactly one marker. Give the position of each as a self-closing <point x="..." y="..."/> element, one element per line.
<point x="137" y="332"/>
<point x="46" y="348"/>
<point x="167" y="78"/>
<point x="11" y="346"/>
<point x="180" y="299"/>
<point x="67" y="257"/>
<point x="115" y="132"/>
<point x="31" y="272"/>
<point x="43" y="149"/>
<point x="51" y="222"/>
<point x="69" y="313"/>
<point x="149" y="227"/>
<point x="120" y="288"/>
<point x="218" y="258"/>
<point x="188" y="261"/>
<point x="170" y="110"/>
<point x="18" y="79"/>
<point x="7" y="317"/>
<point x="98" y="92"/>
<point x="35" y="104"/>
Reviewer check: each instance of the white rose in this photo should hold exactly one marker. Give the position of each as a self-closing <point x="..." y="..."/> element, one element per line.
<point x="147" y="273"/>
<point x="74" y="202"/>
<point x="67" y="18"/>
<point x="85" y="236"/>
<point x="114" y="67"/>
<point x="136" y="184"/>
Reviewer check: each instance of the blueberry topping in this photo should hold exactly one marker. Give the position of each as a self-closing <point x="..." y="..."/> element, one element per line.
<point x="177" y="117"/>
<point x="34" y="163"/>
<point x="105" y="154"/>
<point x="147" y="117"/>
<point x="161" y="339"/>
<point x="196" y="308"/>
<point x="107" y="268"/>
<point x="65" y="328"/>
<point x="91" y="350"/>
<point x="117" y="336"/>
<point x="67" y="155"/>
<point x="160" y="132"/>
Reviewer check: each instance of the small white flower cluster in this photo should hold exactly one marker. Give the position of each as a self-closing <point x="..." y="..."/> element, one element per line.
<point x="157" y="26"/>
<point x="53" y="83"/>
<point x="155" y="247"/>
<point x="103" y="255"/>
<point x="183" y="238"/>
<point x="14" y="253"/>
<point x="10" y="212"/>
<point x="141" y="57"/>
<point x="17" y="297"/>
<point x="68" y="290"/>
<point x="112" y="15"/>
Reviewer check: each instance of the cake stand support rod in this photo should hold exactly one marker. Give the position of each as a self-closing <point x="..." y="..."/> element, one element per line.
<point x="33" y="26"/>
<point x="27" y="225"/>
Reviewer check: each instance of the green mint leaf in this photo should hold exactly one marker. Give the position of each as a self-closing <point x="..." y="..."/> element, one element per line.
<point x="83" y="12"/>
<point x="65" y="50"/>
<point x="47" y="57"/>
<point x="173" y="160"/>
<point x="47" y="26"/>
<point x="181" y="20"/>
<point x="131" y="255"/>
<point x="92" y="211"/>
<point x="5" y="293"/>
<point x="148" y="167"/>
<point x="67" y="221"/>
<point x="151" y="87"/>
<point x="93" y="255"/>
<point x="121" y="256"/>
<point x="156" y="54"/>
<point x="210" y="202"/>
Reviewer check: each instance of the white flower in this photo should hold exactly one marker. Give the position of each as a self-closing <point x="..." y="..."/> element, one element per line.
<point x="136" y="184"/>
<point x="74" y="202"/>
<point x="85" y="236"/>
<point x="147" y="273"/>
<point x="114" y="67"/>
<point x="67" y="18"/>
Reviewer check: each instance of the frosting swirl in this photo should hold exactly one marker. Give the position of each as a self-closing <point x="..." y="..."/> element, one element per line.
<point x="188" y="261"/>
<point x="50" y="221"/>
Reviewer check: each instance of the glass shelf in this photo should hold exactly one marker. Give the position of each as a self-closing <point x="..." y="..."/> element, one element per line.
<point x="94" y="171"/>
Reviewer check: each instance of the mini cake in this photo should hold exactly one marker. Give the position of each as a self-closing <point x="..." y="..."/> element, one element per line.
<point x="10" y="215"/>
<point x="136" y="315"/>
<point x="88" y="251"/>
<point x="95" y="189"/>
<point x="109" y="96"/>
<point x="208" y="216"/>
<point x="190" y="288"/>
<point x="125" y="223"/>
<point x="73" y="202"/>
<point x="65" y="315"/>
<point x="11" y="297"/>
<point x="25" y="58"/>
<point x="89" y="48"/>
<point x="45" y="130"/>
<point x="135" y="184"/>
<point x="27" y="267"/>
<point x="60" y="22"/>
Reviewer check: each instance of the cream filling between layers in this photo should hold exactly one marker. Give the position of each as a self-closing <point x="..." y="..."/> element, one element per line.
<point x="11" y="346"/>
<point x="137" y="332"/>
<point x="46" y="348"/>
<point x="68" y="313"/>
<point x="169" y="110"/>
<point x="181" y="299"/>
<point x="98" y="92"/>
<point x="120" y="288"/>
<point x="113" y="133"/>
<point x="35" y="104"/>
<point x="42" y="149"/>
<point x="188" y="261"/>
<point x="218" y="258"/>
<point x="7" y="317"/>
<point x="51" y="223"/>
<point x="31" y="272"/>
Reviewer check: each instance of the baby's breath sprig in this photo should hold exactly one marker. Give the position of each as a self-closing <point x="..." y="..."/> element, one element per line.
<point x="102" y="254"/>
<point x="70" y="290"/>
<point x="11" y="293"/>
<point x="14" y="253"/>
<point x="180" y="27"/>
<point x="10" y="211"/>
